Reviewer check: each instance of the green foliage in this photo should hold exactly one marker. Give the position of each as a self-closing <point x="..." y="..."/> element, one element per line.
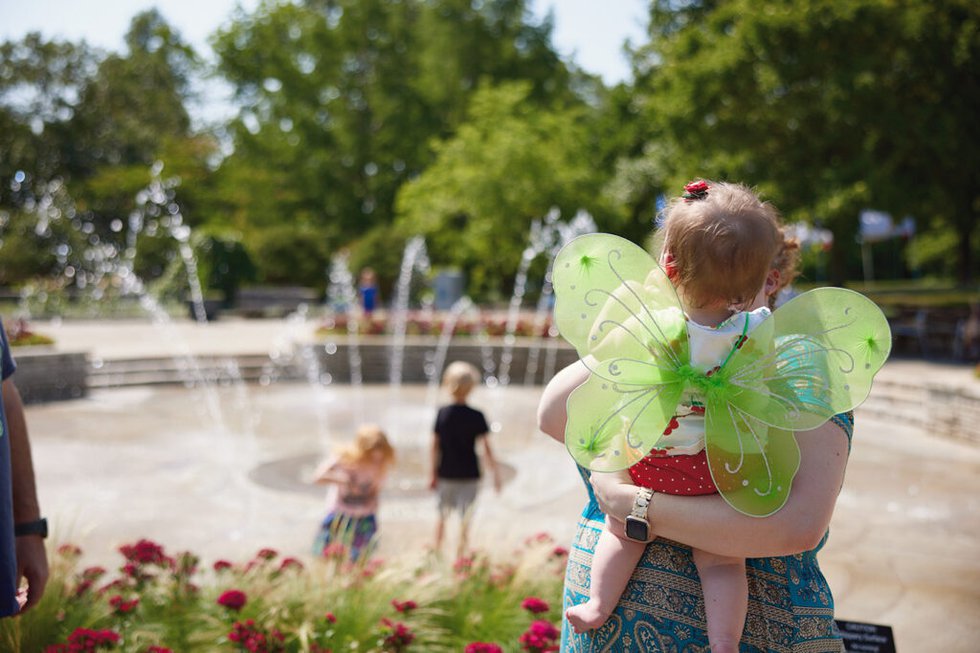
<point x="223" y="263"/>
<point x="828" y="107"/>
<point x="341" y="100"/>
<point x="161" y="600"/>
<point x="291" y="254"/>
<point x="362" y="122"/>
<point x="508" y="164"/>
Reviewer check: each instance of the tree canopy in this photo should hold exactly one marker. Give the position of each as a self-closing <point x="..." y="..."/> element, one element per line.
<point x="358" y="123"/>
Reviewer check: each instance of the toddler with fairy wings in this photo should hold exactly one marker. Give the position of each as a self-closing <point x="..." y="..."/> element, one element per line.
<point x="695" y="386"/>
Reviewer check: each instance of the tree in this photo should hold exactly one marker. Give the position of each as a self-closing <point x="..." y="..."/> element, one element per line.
<point x="341" y="99"/>
<point x="828" y="107"/>
<point x="40" y="82"/>
<point x="509" y="163"/>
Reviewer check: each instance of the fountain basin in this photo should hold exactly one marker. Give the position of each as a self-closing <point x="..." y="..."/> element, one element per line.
<point x="46" y="374"/>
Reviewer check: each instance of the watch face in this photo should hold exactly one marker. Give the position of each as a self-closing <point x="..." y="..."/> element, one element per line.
<point x="637" y="529"/>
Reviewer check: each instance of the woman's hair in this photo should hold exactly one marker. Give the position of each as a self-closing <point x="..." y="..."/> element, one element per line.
<point x="787" y="264"/>
<point x="721" y="242"/>
<point x="460" y="376"/>
<point x="368" y="439"/>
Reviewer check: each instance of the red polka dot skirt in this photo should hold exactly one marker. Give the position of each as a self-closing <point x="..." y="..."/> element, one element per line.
<point x="684" y="475"/>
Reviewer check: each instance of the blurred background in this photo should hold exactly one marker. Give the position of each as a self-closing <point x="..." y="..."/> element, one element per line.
<point x="283" y="133"/>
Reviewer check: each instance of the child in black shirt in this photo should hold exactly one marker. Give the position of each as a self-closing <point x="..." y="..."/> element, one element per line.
<point x="455" y="467"/>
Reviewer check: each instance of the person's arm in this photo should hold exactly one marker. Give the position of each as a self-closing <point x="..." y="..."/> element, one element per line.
<point x="708" y="523"/>
<point x="32" y="560"/>
<point x="491" y="462"/>
<point x="330" y="472"/>
<point x="434" y="480"/>
<point x="552" y="409"/>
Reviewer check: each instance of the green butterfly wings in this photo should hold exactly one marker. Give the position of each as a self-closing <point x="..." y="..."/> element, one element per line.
<point x="619" y="310"/>
<point x="813" y="358"/>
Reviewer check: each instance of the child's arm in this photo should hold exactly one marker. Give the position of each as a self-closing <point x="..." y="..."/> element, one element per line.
<point x="434" y="481"/>
<point x="491" y="463"/>
<point x="329" y="471"/>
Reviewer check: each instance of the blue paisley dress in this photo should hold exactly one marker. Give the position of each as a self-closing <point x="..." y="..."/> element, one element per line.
<point x="791" y="608"/>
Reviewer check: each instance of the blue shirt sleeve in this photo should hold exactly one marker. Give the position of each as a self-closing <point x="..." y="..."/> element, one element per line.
<point x="7" y="363"/>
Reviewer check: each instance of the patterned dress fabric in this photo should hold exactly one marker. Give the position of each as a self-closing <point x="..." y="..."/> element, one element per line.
<point x="791" y="608"/>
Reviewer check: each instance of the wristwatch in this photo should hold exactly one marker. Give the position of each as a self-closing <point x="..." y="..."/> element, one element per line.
<point x="637" y="526"/>
<point x="36" y="527"/>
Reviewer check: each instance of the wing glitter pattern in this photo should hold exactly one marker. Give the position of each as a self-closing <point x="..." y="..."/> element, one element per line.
<point x="619" y="310"/>
<point x="814" y="357"/>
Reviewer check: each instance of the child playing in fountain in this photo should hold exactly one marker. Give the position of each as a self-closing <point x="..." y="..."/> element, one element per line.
<point x="455" y="467"/>
<point x="355" y="475"/>
<point x="720" y="250"/>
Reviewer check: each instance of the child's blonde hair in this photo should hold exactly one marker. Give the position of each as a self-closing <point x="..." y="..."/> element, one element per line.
<point x="721" y="243"/>
<point x="368" y="439"/>
<point x="460" y="377"/>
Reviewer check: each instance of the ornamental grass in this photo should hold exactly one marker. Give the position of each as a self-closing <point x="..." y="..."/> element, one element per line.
<point x="155" y="602"/>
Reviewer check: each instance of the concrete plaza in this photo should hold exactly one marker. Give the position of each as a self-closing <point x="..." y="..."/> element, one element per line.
<point x="223" y="472"/>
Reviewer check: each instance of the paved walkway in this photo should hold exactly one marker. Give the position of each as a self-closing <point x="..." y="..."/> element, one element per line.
<point x="223" y="473"/>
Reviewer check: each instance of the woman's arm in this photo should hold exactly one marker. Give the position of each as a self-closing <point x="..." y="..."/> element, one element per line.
<point x="708" y="523"/>
<point x="552" y="410"/>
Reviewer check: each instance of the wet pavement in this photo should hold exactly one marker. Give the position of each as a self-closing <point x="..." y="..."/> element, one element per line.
<point x="223" y="472"/>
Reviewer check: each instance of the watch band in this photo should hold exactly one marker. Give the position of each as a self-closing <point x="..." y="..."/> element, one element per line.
<point x="640" y="502"/>
<point x="36" y="527"/>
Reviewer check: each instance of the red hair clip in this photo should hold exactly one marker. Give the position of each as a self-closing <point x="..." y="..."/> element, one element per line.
<point x="696" y="190"/>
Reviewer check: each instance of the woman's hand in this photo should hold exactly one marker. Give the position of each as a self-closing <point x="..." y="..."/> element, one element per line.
<point x="615" y="492"/>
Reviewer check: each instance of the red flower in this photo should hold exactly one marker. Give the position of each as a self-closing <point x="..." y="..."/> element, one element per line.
<point x="159" y="649"/>
<point x="534" y="605"/>
<point x="93" y="573"/>
<point x="233" y="599"/>
<point x="288" y="563"/>
<point x="254" y="639"/>
<point x="121" y="606"/>
<point x="267" y="554"/>
<point x="559" y="552"/>
<point x="463" y="565"/>
<point x="330" y="617"/>
<point x="221" y="565"/>
<point x="69" y="551"/>
<point x="398" y="636"/>
<point x="540" y="637"/>
<point x="145" y="552"/>
<point x="482" y="647"/>
<point x="404" y="606"/>
<point x="83" y="640"/>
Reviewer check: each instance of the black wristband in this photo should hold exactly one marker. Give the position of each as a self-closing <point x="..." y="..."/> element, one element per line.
<point x="36" y="527"/>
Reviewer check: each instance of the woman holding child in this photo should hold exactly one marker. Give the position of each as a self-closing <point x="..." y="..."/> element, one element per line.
<point x="789" y="604"/>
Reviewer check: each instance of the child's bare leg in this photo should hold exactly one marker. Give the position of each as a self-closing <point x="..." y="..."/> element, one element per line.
<point x="726" y="595"/>
<point x="613" y="563"/>
<point x="464" y="531"/>
<point x="440" y="530"/>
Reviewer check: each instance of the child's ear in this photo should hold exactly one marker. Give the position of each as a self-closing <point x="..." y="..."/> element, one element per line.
<point x="772" y="281"/>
